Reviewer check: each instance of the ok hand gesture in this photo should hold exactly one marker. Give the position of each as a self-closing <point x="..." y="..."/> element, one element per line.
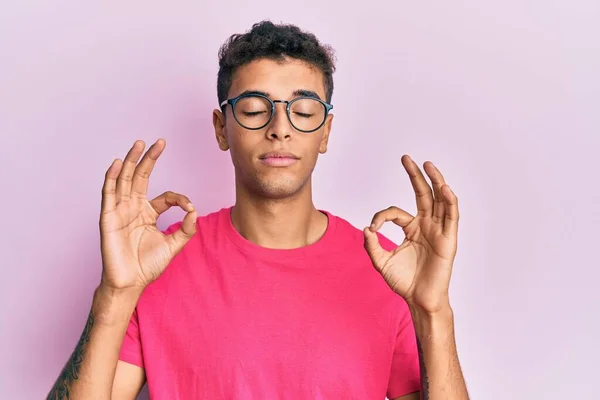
<point x="134" y="251"/>
<point x="419" y="269"/>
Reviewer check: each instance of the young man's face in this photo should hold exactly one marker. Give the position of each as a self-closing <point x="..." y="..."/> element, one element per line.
<point x="273" y="177"/>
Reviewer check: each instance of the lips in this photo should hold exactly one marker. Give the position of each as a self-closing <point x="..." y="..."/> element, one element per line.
<point x="278" y="154"/>
<point x="278" y="159"/>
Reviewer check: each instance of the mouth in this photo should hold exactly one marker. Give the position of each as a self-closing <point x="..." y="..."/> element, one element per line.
<point x="278" y="159"/>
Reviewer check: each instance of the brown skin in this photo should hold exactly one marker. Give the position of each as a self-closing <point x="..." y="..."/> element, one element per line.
<point x="419" y="270"/>
<point x="280" y="80"/>
<point x="283" y="196"/>
<point x="264" y="192"/>
<point x="135" y="252"/>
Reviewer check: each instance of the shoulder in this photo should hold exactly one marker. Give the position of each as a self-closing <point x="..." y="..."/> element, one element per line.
<point x="208" y="221"/>
<point x="372" y="282"/>
<point x="196" y="252"/>
<point x="346" y="231"/>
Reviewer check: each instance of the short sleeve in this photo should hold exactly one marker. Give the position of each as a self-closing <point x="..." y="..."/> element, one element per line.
<point x="131" y="349"/>
<point x="405" y="374"/>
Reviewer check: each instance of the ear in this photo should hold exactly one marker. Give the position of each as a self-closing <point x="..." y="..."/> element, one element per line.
<point x="326" y="131"/>
<point x="220" y="130"/>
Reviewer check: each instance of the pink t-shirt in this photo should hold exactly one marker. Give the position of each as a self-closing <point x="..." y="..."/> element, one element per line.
<point x="232" y="320"/>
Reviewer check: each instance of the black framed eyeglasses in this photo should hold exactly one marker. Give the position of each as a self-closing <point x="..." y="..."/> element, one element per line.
<point x="255" y="111"/>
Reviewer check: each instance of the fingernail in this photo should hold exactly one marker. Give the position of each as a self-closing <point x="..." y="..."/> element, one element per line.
<point x="191" y="206"/>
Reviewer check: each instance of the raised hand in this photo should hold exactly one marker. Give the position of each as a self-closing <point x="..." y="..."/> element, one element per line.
<point x="419" y="269"/>
<point x="134" y="251"/>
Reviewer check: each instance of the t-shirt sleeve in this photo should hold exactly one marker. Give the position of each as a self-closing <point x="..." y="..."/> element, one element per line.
<point x="405" y="374"/>
<point x="131" y="349"/>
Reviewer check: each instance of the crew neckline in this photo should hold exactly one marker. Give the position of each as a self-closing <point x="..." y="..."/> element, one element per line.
<point x="255" y="250"/>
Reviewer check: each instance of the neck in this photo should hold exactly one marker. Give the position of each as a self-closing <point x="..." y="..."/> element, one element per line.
<point x="287" y="223"/>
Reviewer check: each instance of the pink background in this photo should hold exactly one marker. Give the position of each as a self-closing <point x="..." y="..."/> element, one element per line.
<point x="503" y="95"/>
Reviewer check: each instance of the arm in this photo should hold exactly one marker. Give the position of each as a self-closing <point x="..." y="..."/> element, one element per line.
<point x="419" y="271"/>
<point x="92" y="371"/>
<point x="134" y="254"/>
<point x="441" y="375"/>
<point x="129" y="380"/>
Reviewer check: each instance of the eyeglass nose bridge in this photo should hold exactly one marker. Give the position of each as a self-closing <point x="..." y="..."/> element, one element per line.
<point x="286" y="102"/>
<point x="287" y="111"/>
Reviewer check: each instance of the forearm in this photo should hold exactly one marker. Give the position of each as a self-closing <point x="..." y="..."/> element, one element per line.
<point x="90" y="371"/>
<point x="441" y="374"/>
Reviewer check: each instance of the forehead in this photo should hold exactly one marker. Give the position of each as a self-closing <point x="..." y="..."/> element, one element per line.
<point x="278" y="78"/>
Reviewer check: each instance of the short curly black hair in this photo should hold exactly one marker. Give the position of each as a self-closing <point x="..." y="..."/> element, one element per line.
<point x="276" y="42"/>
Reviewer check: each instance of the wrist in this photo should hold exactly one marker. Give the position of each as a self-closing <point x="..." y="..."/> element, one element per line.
<point x="119" y="294"/>
<point x="114" y="306"/>
<point x="440" y="311"/>
<point x="432" y="325"/>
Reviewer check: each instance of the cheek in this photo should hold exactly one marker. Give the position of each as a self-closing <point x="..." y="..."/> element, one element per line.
<point x="241" y="145"/>
<point x="311" y="154"/>
<point x="234" y="137"/>
<point x="316" y="145"/>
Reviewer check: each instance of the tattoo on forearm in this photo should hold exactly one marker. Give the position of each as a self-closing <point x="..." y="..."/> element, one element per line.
<point x="424" y="378"/>
<point x="70" y="373"/>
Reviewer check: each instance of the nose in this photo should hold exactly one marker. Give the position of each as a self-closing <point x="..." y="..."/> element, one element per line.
<point x="279" y="128"/>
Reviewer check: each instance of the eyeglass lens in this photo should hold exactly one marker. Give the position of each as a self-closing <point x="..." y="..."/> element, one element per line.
<point x="254" y="112"/>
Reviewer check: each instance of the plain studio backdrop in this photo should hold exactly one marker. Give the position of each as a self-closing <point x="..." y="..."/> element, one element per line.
<point x="504" y="96"/>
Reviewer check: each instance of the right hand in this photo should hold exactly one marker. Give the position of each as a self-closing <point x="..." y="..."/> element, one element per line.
<point x="134" y="251"/>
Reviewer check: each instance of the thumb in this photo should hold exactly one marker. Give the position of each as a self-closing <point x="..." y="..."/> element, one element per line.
<point x="181" y="236"/>
<point x="377" y="253"/>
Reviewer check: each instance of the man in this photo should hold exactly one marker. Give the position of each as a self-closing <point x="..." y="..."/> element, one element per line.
<point x="271" y="298"/>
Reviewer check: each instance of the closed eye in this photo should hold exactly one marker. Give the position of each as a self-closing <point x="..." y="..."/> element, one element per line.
<point x="253" y="113"/>
<point x="303" y="115"/>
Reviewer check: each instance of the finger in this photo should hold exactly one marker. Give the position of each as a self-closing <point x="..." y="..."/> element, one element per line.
<point x="109" y="188"/>
<point x="393" y="214"/>
<point x="451" y="219"/>
<point x="126" y="175"/>
<point x="376" y="253"/>
<point x="181" y="236"/>
<point x="437" y="181"/>
<point x="169" y="199"/>
<point x="143" y="170"/>
<point x="423" y="192"/>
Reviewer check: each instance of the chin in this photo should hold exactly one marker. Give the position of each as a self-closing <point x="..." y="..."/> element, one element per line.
<point x="278" y="188"/>
<point x="278" y="191"/>
<point x="272" y="183"/>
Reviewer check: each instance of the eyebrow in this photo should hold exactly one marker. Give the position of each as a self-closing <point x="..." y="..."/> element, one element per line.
<point x="296" y="93"/>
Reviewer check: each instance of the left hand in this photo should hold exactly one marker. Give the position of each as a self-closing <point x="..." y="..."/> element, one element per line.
<point x="419" y="269"/>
